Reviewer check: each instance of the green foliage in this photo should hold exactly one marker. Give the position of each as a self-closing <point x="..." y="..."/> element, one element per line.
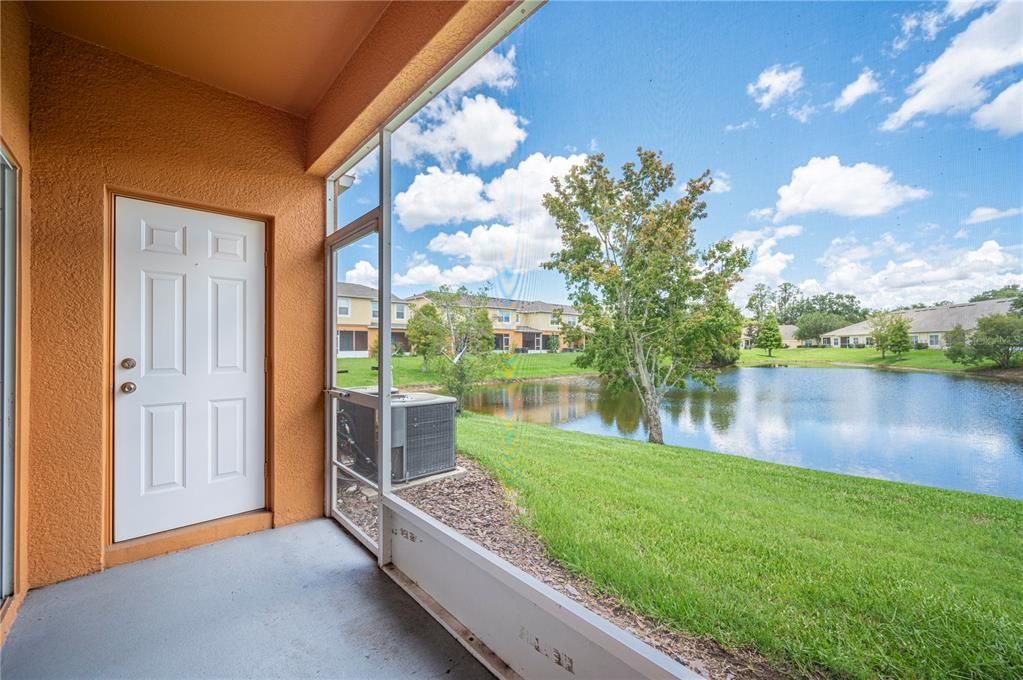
<point x="760" y="302"/>
<point x="998" y="338"/>
<point x="786" y="298"/>
<point x="651" y="304"/>
<point x="769" y="335"/>
<point x="1011" y="291"/>
<point x="553" y="343"/>
<point x="833" y="576"/>
<point x="956" y="347"/>
<point x="844" y="305"/>
<point x="426" y="333"/>
<point x="812" y="325"/>
<point x="461" y="335"/>
<point x="890" y="333"/>
<point x="899" y="340"/>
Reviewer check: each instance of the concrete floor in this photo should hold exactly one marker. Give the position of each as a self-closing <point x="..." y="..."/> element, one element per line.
<point x="297" y="602"/>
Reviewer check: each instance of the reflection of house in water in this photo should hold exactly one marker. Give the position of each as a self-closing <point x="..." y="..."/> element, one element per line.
<point x="561" y="401"/>
<point x="547" y="402"/>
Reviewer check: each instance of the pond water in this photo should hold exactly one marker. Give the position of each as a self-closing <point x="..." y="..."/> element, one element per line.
<point x="925" y="428"/>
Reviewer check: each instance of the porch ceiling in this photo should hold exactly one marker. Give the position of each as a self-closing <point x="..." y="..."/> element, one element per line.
<point x="282" y="54"/>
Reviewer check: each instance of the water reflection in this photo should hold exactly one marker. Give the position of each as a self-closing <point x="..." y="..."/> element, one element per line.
<point x="938" y="430"/>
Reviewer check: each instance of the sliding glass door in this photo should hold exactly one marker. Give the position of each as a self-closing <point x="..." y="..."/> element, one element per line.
<point x="8" y="245"/>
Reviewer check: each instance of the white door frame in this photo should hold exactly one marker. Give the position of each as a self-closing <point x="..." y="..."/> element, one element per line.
<point x="112" y="193"/>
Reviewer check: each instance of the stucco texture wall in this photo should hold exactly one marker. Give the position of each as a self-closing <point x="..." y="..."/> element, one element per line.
<point x="102" y="120"/>
<point x="14" y="132"/>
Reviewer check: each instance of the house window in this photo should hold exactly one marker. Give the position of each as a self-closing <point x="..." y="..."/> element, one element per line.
<point x="856" y="340"/>
<point x="913" y="339"/>
<point x="568" y="320"/>
<point x="932" y="340"/>
<point x="399" y="312"/>
<point x="374" y="309"/>
<point x="501" y="342"/>
<point x="344" y="306"/>
<point x="503" y="316"/>
<point x="352" y="341"/>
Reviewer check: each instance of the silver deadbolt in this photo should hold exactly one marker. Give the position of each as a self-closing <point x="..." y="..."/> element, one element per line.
<point x="129" y="387"/>
<point x="128" y="363"/>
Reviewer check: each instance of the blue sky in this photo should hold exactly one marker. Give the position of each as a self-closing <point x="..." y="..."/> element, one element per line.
<point x="866" y="148"/>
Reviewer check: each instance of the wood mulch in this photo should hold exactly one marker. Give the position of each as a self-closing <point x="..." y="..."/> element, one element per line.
<point x="478" y="507"/>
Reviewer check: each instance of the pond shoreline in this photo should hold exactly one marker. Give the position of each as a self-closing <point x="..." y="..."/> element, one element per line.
<point x="1006" y="374"/>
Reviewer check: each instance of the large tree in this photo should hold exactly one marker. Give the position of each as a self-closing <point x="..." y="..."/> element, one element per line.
<point x="786" y="299"/>
<point x="1011" y="291"/>
<point x="426" y="333"/>
<point x="881" y="331"/>
<point x="654" y="308"/>
<point x="998" y="337"/>
<point x="844" y="305"/>
<point x="813" y="325"/>
<point x="460" y="322"/>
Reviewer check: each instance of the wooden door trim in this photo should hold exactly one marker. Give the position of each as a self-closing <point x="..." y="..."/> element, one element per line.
<point x="110" y="548"/>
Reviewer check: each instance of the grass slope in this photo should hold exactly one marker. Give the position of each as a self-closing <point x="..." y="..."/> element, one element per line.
<point x="855" y="577"/>
<point x="931" y="359"/>
<point x="408" y="370"/>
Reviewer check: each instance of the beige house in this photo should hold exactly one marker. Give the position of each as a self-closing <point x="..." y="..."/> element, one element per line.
<point x="927" y="327"/>
<point x="521" y="325"/>
<point x="788" y="336"/>
<point x="358" y="316"/>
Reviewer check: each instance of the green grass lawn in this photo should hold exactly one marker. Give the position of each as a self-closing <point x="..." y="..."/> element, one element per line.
<point x="850" y="576"/>
<point x="409" y="370"/>
<point x="933" y="359"/>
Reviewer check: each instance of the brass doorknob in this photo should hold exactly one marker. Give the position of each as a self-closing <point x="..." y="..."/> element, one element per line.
<point x="129" y="387"/>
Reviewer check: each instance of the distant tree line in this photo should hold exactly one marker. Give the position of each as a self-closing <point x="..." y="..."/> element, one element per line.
<point x="813" y="315"/>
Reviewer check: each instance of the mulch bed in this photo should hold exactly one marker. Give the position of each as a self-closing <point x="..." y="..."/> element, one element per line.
<point x="478" y="507"/>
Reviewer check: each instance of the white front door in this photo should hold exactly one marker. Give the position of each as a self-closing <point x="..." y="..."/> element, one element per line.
<point x="188" y="367"/>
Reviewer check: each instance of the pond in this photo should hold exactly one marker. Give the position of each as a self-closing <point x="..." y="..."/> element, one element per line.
<point x="925" y="428"/>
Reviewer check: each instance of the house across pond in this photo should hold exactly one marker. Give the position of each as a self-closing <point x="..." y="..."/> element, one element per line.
<point x="928" y="326"/>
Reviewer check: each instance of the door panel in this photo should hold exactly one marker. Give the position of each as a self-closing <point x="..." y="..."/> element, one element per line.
<point x="189" y="310"/>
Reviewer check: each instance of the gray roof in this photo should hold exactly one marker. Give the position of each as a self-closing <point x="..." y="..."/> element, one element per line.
<point x="357" y="290"/>
<point x="523" y="306"/>
<point x="938" y="319"/>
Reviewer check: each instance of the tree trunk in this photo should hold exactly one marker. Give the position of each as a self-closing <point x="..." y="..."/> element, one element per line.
<point x="653" y="418"/>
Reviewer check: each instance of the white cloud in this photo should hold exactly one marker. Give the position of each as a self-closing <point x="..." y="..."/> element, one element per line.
<point x="802" y="113"/>
<point x="442" y="197"/>
<point x="1004" y="113"/>
<point x="929" y="23"/>
<point x="825" y="185"/>
<point x="722" y="183"/>
<point x="422" y="272"/>
<point x="767" y="265"/>
<point x="363" y="273"/>
<point x="478" y="128"/>
<point x="526" y="235"/>
<point x="865" y="84"/>
<point x="775" y="83"/>
<point x="744" y="125"/>
<point x="912" y="276"/>
<point x="986" y="214"/>
<point x="761" y="213"/>
<point x="961" y="234"/>
<point x="954" y="82"/>
<point x="495" y="70"/>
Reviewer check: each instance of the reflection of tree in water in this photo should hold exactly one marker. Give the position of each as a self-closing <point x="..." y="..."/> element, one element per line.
<point x="623" y="410"/>
<point x="696" y="405"/>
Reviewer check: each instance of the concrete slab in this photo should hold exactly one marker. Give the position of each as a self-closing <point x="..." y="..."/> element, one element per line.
<point x="297" y="602"/>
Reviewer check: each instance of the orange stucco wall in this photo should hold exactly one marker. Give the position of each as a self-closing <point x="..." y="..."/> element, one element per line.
<point x="101" y="120"/>
<point x="14" y="133"/>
